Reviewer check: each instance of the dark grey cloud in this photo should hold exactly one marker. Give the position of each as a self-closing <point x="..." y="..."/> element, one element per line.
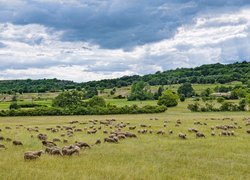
<point x="114" y="23"/>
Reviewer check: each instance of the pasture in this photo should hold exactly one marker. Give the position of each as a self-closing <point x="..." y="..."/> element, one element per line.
<point x="149" y="156"/>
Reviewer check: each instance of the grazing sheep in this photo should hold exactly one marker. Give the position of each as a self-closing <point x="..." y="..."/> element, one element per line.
<point x="160" y="132"/>
<point x="182" y="136"/>
<point x="143" y="125"/>
<point x="70" y="150"/>
<point x="30" y="155"/>
<point x="132" y="127"/>
<point x="54" y="151"/>
<point x="199" y="134"/>
<point x="111" y="140"/>
<point x="8" y="139"/>
<point x="98" y="141"/>
<point x="49" y="144"/>
<point x="105" y="132"/>
<point x="212" y="133"/>
<point x="42" y="137"/>
<point x="178" y="121"/>
<point x="56" y="140"/>
<point x="2" y="138"/>
<point x="2" y="146"/>
<point x="248" y="131"/>
<point x="65" y="141"/>
<point x="17" y="143"/>
<point x="82" y="144"/>
<point x="7" y="127"/>
<point x="130" y="135"/>
<point x="121" y="136"/>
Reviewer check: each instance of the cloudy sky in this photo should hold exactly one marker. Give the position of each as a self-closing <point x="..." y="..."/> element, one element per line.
<point x="85" y="40"/>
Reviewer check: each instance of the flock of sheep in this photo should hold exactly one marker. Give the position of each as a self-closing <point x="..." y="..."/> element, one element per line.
<point x="114" y="133"/>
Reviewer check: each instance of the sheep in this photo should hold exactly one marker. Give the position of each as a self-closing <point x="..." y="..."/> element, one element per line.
<point x="132" y="127"/>
<point x="130" y="135"/>
<point x="54" y="151"/>
<point x="82" y="144"/>
<point x="212" y="133"/>
<point x="170" y="132"/>
<point x="121" y="136"/>
<point x="42" y="137"/>
<point x="8" y="139"/>
<point x="7" y="127"/>
<point x="2" y="138"/>
<point x="199" y="134"/>
<point x="49" y="144"/>
<point x="2" y="146"/>
<point x="111" y="140"/>
<point x="70" y="150"/>
<point x="65" y="141"/>
<point x="98" y="141"/>
<point x="17" y="143"/>
<point x="182" y="136"/>
<point x="56" y="140"/>
<point x="30" y="155"/>
<point x="160" y="132"/>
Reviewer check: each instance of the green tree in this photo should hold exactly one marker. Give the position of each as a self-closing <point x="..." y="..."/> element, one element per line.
<point x="186" y="89"/>
<point x="140" y="91"/>
<point x="97" y="101"/>
<point x="69" y="99"/>
<point x="168" y="99"/>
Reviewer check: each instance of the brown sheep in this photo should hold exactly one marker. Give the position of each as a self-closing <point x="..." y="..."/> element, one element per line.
<point x="82" y="144"/>
<point x="98" y="141"/>
<point x="111" y="140"/>
<point x="70" y="150"/>
<point x="199" y="134"/>
<point x="121" y="136"/>
<point x="212" y="133"/>
<point x="8" y="139"/>
<point x="182" y="136"/>
<point x="2" y="146"/>
<point x="42" y="137"/>
<point x="160" y="132"/>
<point x="132" y="127"/>
<point x="54" y="151"/>
<point x="29" y="155"/>
<point x="130" y="135"/>
<point x="48" y="144"/>
<point x="2" y="138"/>
<point x="56" y="140"/>
<point x="17" y="143"/>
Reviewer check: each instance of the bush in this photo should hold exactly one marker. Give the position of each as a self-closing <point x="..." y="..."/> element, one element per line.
<point x="182" y="98"/>
<point x="186" y="89"/>
<point x="97" y="101"/>
<point x="168" y="99"/>
<point x="220" y="99"/>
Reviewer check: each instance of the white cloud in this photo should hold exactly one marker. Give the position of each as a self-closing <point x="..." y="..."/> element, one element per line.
<point x="36" y="51"/>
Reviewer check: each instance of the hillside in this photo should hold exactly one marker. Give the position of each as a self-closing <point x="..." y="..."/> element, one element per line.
<point x="205" y="74"/>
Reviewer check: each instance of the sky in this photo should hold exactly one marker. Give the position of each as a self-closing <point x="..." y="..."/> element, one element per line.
<point x="85" y="40"/>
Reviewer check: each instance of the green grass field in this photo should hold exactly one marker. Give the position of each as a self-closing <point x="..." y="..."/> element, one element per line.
<point x="150" y="156"/>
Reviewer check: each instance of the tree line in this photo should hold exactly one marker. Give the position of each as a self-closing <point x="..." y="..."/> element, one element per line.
<point x="205" y="74"/>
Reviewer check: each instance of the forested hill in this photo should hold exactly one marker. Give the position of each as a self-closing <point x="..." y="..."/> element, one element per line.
<point x="205" y="74"/>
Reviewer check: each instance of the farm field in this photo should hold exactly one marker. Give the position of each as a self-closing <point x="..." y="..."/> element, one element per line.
<point x="149" y="156"/>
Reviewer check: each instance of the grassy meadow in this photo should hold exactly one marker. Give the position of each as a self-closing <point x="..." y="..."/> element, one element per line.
<point x="150" y="156"/>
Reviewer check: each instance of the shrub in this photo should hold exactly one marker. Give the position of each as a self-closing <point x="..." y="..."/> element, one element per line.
<point x="168" y="99"/>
